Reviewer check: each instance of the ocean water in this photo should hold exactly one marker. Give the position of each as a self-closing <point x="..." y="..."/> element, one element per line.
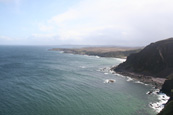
<point x="35" y="81"/>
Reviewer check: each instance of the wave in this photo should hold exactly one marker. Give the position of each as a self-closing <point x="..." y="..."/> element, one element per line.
<point x="139" y="82"/>
<point x="162" y="100"/>
<point x="120" y="59"/>
<point x="97" y="57"/>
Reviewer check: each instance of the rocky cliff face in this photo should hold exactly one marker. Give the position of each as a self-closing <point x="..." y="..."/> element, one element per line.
<point x="155" y="60"/>
<point x="167" y="87"/>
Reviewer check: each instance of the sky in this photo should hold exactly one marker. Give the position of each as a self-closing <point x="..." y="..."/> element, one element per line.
<point x="85" y="22"/>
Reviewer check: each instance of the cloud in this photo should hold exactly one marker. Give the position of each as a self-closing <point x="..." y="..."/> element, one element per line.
<point x="116" y="22"/>
<point x="69" y="15"/>
<point x="43" y="27"/>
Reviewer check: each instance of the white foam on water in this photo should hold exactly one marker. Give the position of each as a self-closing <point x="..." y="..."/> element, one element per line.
<point x="97" y="57"/>
<point x="139" y="82"/>
<point x="109" y="81"/>
<point x="106" y="73"/>
<point x="129" y="79"/>
<point x="119" y="75"/>
<point x="120" y="59"/>
<point x="61" y="52"/>
<point x="162" y="100"/>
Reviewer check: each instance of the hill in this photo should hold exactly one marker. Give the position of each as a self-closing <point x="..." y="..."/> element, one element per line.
<point x="153" y="64"/>
<point x="117" y="52"/>
<point x="155" y="60"/>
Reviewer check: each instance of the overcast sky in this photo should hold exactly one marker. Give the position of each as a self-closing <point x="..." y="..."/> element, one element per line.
<point x="85" y="22"/>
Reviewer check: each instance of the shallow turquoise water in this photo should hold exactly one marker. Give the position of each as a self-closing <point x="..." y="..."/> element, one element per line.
<point x="35" y="81"/>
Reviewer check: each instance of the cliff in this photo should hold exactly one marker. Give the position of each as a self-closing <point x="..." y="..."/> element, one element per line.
<point x="153" y="63"/>
<point x="154" y="60"/>
<point x="168" y="110"/>
<point x="168" y="85"/>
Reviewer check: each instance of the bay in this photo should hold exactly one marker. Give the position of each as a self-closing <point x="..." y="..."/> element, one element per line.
<point x="35" y="81"/>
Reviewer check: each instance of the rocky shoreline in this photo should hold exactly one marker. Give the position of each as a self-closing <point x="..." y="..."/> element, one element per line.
<point x="156" y="82"/>
<point x="151" y="65"/>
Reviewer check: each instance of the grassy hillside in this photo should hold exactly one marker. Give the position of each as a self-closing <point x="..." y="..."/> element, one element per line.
<point x="118" y="52"/>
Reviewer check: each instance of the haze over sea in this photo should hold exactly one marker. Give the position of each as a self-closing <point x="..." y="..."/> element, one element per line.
<point x="35" y="81"/>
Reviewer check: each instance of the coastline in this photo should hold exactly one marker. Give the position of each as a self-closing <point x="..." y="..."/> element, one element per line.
<point x="113" y="52"/>
<point x="156" y="83"/>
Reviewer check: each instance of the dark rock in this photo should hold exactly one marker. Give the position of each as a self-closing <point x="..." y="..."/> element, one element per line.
<point x="150" y="92"/>
<point x="167" y="87"/>
<point x="155" y="60"/>
<point x="168" y="109"/>
<point x="111" y="81"/>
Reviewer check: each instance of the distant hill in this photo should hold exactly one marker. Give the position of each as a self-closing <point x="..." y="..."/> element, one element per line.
<point x="117" y="52"/>
<point x="155" y="60"/>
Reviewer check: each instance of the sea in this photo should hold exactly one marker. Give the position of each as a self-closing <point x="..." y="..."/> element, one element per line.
<point x="36" y="81"/>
